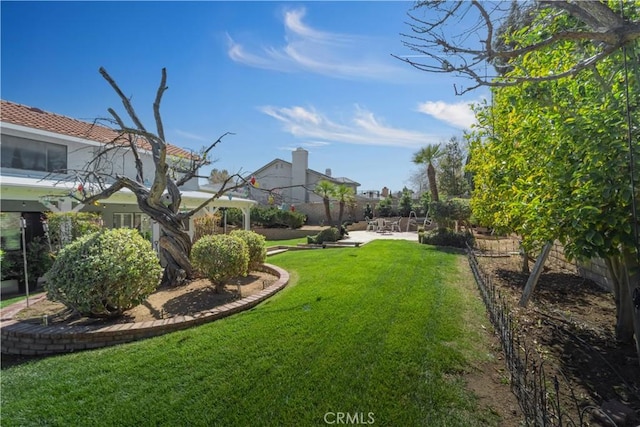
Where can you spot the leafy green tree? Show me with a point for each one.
(552, 160)
(406, 202)
(385, 207)
(556, 159)
(440, 44)
(218, 176)
(451, 177)
(344, 195)
(428, 155)
(326, 189)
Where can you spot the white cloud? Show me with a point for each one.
(312, 50)
(457, 114)
(307, 144)
(363, 128)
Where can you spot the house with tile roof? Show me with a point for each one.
(292, 183)
(40, 150)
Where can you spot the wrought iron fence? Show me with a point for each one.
(539, 394)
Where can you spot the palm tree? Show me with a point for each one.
(325, 189)
(344, 195)
(427, 155)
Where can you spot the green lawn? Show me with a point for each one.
(287, 242)
(382, 333)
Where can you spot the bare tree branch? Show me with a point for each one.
(156, 104)
(100, 179)
(125, 101)
(470, 53)
(199, 161)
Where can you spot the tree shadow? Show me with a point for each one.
(604, 368)
(195, 301)
(564, 289)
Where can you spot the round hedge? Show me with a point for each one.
(104, 273)
(220, 257)
(256, 245)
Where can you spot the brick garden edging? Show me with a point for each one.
(24, 338)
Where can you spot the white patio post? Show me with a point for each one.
(246, 214)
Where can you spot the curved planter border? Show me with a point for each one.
(24, 338)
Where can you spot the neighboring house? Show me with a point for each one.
(38, 152)
(292, 183)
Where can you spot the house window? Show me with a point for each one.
(27, 154)
(139, 221)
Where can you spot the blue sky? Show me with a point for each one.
(279, 75)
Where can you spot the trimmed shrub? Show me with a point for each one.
(220, 257)
(267, 217)
(66, 227)
(331, 234)
(256, 245)
(447, 237)
(104, 273)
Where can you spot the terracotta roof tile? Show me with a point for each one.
(33, 117)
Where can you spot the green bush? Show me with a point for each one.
(220, 257)
(39, 260)
(104, 273)
(447, 237)
(331, 234)
(67, 226)
(6, 265)
(256, 245)
(267, 217)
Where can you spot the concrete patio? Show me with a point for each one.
(364, 237)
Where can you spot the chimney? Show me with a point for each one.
(299, 166)
(327, 172)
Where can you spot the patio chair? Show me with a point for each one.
(395, 224)
(371, 224)
(382, 225)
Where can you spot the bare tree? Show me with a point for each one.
(159, 195)
(482, 39)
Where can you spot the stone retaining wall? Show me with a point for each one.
(24, 338)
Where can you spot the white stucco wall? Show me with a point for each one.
(81, 151)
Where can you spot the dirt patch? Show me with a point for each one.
(570, 323)
(198, 295)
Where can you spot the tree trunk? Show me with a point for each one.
(433, 186)
(327, 210)
(175, 248)
(175, 244)
(535, 275)
(625, 274)
(340, 213)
